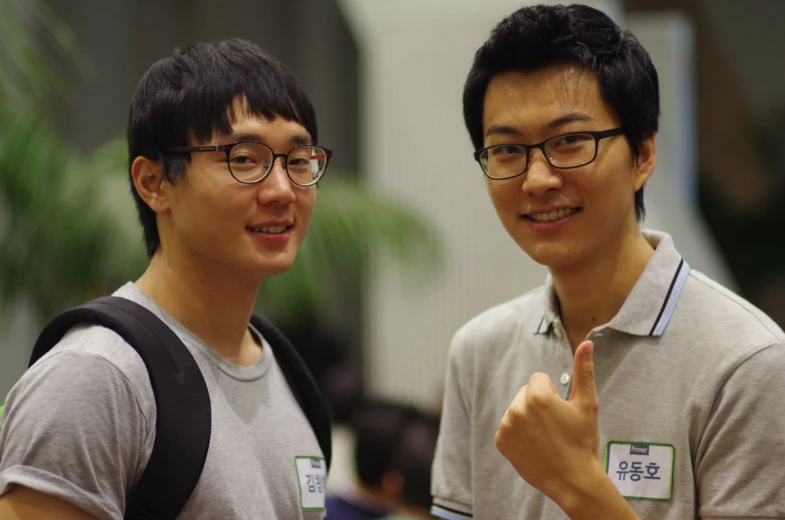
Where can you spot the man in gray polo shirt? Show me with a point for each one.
(628, 386)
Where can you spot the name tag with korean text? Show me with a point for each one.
(641, 471)
(311, 475)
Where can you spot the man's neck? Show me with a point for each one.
(592, 294)
(212, 303)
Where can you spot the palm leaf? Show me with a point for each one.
(37, 49)
(60, 240)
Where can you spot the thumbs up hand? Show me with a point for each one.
(551, 442)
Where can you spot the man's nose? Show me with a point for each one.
(276, 188)
(540, 176)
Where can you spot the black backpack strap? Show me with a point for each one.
(302, 384)
(181, 398)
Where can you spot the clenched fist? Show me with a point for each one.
(554, 443)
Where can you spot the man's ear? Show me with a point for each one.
(149, 182)
(646, 161)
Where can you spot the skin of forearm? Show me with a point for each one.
(594, 497)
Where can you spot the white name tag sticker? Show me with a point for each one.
(640, 470)
(311, 475)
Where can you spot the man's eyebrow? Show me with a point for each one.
(301, 139)
(244, 137)
(296, 140)
(569, 118)
(556, 123)
(501, 130)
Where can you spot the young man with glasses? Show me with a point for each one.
(223, 168)
(628, 386)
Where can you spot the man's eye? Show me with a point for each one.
(506, 150)
(573, 139)
(243, 159)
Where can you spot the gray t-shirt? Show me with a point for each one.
(691, 385)
(80, 425)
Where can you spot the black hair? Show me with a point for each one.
(414, 460)
(188, 97)
(378, 428)
(536, 37)
(341, 383)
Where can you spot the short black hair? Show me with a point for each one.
(189, 97)
(537, 37)
(379, 426)
(415, 459)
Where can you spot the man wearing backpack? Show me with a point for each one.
(223, 168)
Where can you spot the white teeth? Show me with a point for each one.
(553, 215)
(268, 229)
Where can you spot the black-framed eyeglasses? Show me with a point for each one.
(249, 162)
(564, 151)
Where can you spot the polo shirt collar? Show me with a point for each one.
(549, 313)
(649, 306)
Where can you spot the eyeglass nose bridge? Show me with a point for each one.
(284, 157)
(529, 148)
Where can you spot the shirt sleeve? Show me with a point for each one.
(451, 484)
(739, 463)
(73, 429)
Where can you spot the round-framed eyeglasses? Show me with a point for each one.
(250, 162)
(563, 151)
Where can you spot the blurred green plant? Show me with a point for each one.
(68, 228)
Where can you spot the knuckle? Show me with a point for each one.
(538, 396)
(512, 416)
(537, 400)
(499, 440)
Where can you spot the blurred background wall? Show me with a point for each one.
(385, 77)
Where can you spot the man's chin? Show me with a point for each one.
(272, 267)
(550, 255)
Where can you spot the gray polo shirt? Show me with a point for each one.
(691, 385)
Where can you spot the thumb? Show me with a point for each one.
(583, 388)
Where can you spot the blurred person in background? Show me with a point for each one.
(342, 385)
(224, 161)
(649, 391)
(413, 463)
(378, 428)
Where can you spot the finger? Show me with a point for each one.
(541, 392)
(516, 407)
(520, 396)
(583, 387)
(541, 382)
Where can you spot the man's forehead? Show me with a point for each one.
(546, 98)
(258, 128)
(564, 84)
(239, 109)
